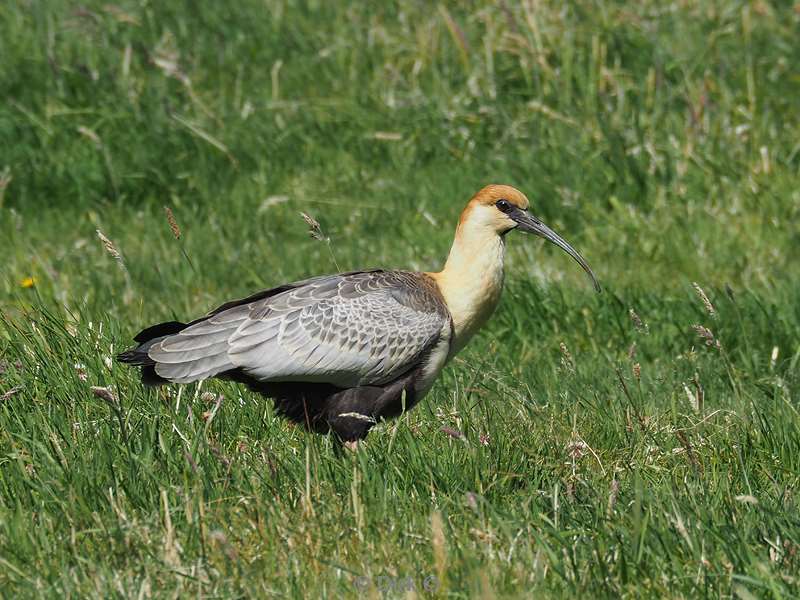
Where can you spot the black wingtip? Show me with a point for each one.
(160, 330)
(138, 356)
(130, 357)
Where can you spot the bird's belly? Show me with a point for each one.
(437, 359)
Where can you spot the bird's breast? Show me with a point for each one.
(472, 308)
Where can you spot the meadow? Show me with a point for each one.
(641, 442)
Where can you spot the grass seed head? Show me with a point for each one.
(566, 358)
(90, 135)
(704, 299)
(640, 326)
(612, 496)
(453, 433)
(111, 249)
(705, 334)
(314, 228)
(104, 393)
(173, 224)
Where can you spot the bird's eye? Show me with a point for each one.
(503, 205)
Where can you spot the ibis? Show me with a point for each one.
(340, 353)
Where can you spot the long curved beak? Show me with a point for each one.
(530, 224)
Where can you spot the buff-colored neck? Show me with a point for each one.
(472, 279)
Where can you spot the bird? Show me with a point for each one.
(341, 353)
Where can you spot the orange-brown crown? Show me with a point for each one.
(489, 195)
(492, 193)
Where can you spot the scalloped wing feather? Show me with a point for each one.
(347, 330)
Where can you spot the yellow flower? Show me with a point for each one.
(28, 282)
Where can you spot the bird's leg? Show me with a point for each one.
(352, 445)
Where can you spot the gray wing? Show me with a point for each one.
(348, 330)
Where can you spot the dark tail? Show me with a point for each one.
(138, 356)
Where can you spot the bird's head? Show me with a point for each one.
(498, 209)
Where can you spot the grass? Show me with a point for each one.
(593, 445)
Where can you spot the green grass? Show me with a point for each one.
(601, 455)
